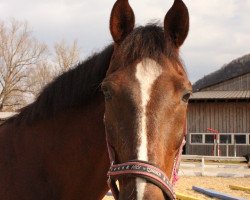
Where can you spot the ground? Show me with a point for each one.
(216, 183)
(184, 185)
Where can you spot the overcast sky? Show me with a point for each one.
(219, 29)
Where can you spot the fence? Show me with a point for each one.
(214, 166)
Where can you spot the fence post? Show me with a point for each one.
(227, 147)
(214, 147)
(235, 152)
(202, 166)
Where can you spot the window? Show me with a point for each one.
(196, 138)
(240, 139)
(226, 139)
(209, 139)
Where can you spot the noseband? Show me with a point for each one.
(145, 170)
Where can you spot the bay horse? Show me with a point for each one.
(126, 104)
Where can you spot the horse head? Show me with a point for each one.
(146, 92)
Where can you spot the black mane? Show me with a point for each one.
(73, 88)
(80, 85)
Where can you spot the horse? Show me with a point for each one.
(125, 104)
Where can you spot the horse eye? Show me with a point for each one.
(186, 97)
(106, 93)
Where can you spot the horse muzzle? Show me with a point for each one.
(140, 169)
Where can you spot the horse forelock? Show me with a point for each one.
(145, 42)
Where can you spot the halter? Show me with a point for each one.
(145, 170)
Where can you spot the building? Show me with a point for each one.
(221, 102)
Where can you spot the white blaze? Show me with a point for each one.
(147, 73)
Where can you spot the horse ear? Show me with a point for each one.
(176, 23)
(122, 20)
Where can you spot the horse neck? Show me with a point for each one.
(71, 148)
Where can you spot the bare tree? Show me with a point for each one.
(19, 52)
(63, 58)
(39, 77)
(66, 56)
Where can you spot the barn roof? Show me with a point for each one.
(234, 69)
(220, 95)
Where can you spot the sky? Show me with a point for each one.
(219, 29)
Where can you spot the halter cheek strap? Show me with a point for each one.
(177, 162)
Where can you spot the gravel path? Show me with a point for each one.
(184, 185)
